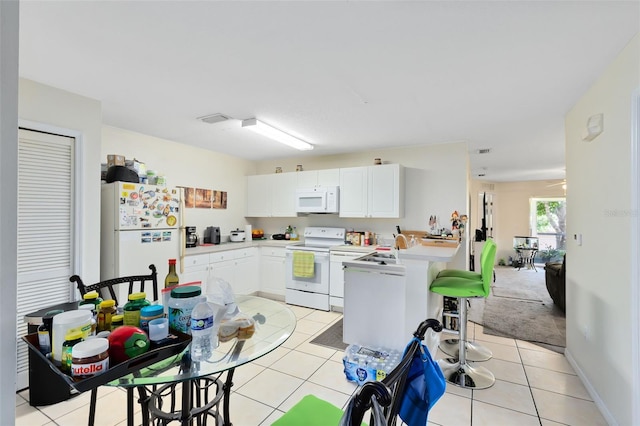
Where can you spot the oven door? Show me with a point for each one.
(319, 283)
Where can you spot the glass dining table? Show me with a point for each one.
(202, 389)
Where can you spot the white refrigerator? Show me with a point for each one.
(140, 225)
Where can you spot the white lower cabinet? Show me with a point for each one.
(237, 267)
(196, 268)
(272, 270)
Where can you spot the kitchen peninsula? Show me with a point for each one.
(384, 300)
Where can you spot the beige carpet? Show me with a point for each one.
(520, 307)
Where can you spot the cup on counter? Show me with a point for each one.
(158, 329)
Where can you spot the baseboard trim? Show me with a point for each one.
(591, 390)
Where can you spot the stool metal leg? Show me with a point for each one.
(475, 351)
(460, 372)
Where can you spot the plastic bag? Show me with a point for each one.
(220, 292)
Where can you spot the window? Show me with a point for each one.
(548, 223)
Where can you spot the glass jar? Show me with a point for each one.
(132, 308)
(105, 315)
(181, 303)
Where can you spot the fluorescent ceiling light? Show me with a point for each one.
(275, 134)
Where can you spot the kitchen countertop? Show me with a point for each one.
(191, 251)
(429, 253)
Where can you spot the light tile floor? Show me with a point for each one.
(534, 386)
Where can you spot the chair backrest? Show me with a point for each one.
(136, 284)
(390, 391)
(487, 266)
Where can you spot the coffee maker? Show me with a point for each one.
(192, 236)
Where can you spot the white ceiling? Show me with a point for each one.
(344, 76)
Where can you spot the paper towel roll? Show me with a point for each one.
(247, 232)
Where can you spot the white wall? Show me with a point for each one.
(599, 281)
(185, 165)
(60, 109)
(512, 208)
(9, 195)
(436, 182)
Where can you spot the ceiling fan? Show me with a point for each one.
(562, 183)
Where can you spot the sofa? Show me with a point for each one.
(556, 282)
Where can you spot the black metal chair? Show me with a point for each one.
(389, 393)
(136, 284)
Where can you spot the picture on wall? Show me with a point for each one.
(219, 199)
(203, 198)
(189, 197)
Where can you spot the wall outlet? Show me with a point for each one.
(586, 332)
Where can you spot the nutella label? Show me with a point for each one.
(90, 369)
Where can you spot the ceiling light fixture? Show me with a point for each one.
(275, 134)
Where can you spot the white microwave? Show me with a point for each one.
(319, 199)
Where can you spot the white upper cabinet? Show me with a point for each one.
(311, 178)
(353, 192)
(271, 195)
(283, 190)
(258, 196)
(372, 191)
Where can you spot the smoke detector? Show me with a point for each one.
(214, 118)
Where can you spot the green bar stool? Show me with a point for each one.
(460, 372)
(474, 351)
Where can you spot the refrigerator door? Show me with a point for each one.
(136, 250)
(140, 206)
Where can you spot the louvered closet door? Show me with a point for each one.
(45, 228)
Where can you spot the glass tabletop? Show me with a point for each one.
(274, 324)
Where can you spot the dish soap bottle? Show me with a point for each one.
(172, 278)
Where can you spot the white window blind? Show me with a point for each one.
(45, 228)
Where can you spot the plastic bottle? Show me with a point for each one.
(92, 298)
(117, 321)
(202, 332)
(136, 302)
(44, 338)
(181, 304)
(172, 278)
(69, 341)
(294, 234)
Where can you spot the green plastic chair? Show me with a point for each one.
(460, 372)
(474, 351)
(471, 275)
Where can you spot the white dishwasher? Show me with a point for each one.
(375, 302)
(337, 255)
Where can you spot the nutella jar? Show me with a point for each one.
(89, 358)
